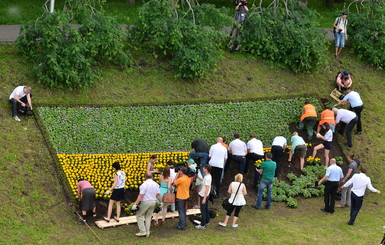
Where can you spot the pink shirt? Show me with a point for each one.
(83, 185)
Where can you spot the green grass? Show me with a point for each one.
(33, 207)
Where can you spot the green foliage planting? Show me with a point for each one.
(180, 34)
(286, 36)
(65, 56)
(165, 128)
(366, 31)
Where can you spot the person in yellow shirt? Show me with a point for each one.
(308, 119)
(183, 193)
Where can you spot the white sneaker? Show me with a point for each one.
(17, 118)
(200, 227)
(222, 224)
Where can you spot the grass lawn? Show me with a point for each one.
(35, 211)
(23, 11)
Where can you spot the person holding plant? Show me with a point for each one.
(20, 98)
(343, 81)
(349, 120)
(86, 194)
(308, 119)
(298, 143)
(165, 181)
(117, 189)
(238, 192)
(150, 165)
(327, 144)
(148, 193)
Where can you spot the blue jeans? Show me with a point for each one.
(241, 160)
(340, 40)
(203, 156)
(182, 213)
(262, 186)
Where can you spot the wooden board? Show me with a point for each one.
(336, 95)
(132, 219)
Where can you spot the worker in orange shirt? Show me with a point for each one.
(308, 119)
(327, 115)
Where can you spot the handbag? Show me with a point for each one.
(168, 197)
(226, 204)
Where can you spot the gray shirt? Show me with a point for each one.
(353, 165)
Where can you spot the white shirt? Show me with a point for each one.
(172, 174)
(18, 91)
(360, 182)
(345, 116)
(149, 189)
(354, 99)
(342, 23)
(280, 141)
(240, 198)
(238, 148)
(217, 154)
(206, 182)
(329, 135)
(121, 179)
(255, 146)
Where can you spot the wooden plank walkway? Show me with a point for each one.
(132, 219)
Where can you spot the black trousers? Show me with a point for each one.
(358, 110)
(16, 106)
(251, 157)
(355, 207)
(241, 160)
(331, 188)
(277, 152)
(216, 174)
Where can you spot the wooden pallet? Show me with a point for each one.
(335, 94)
(132, 219)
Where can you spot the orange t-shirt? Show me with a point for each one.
(183, 185)
(309, 111)
(327, 116)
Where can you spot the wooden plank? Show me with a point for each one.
(336, 95)
(132, 219)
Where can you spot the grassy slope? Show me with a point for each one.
(41, 214)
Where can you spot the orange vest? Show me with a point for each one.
(327, 116)
(309, 111)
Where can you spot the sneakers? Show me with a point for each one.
(196, 207)
(200, 227)
(235, 226)
(141, 234)
(222, 224)
(357, 133)
(16, 118)
(340, 206)
(337, 56)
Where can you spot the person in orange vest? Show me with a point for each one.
(308, 119)
(327, 115)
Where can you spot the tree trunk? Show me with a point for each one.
(329, 3)
(130, 1)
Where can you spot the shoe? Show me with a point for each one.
(140, 234)
(255, 207)
(347, 145)
(116, 219)
(196, 207)
(267, 207)
(148, 234)
(222, 224)
(350, 223)
(337, 56)
(200, 227)
(324, 210)
(180, 228)
(235, 226)
(238, 48)
(340, 206)
(156, 223)
(94, 215)
(16, 118)
(331, 212)
(105, 218)
(357, 133)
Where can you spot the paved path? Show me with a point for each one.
(9, 33)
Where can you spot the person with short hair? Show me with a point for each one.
(340, 33)
(238, 191)
(343, 81)
(345, 192)
(183, 184)
(356, 105)
(267, 171)
(86, 194)
(218, 158)
(349, 119)
(327, 116)
(359, 182)
(326, 144)
(333, 176)
(200, 149)
(117, 189)
(254, 153)
(238, 151)
(277, 149)
(148, 193)
(298, 143)
(308, 119)
(20, 98)
(204, 195)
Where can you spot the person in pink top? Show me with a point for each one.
(86, 194)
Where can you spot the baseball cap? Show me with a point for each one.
(346, 74)
(190, 161)
(345, 13)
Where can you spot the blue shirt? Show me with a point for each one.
(354, 99)
(334, 173)
(296, 140)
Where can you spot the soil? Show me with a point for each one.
(294, 167)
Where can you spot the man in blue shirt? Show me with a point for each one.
(333, 176)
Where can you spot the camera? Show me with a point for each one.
(242, 2)
(339, 31)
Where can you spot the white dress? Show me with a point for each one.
(240, 198)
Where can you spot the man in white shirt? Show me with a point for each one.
(218, 158)
(254, 153)
(19, 98)
(238, 151)
(356, 105)
(350, 119)
(360, 182)
(277, 149)
(204, 194)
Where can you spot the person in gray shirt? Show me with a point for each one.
(345, 192)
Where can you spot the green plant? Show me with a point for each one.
(291, 176)
(339, 161)
(292, 203)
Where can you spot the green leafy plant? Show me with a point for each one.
(339, 160)
(292, 203)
